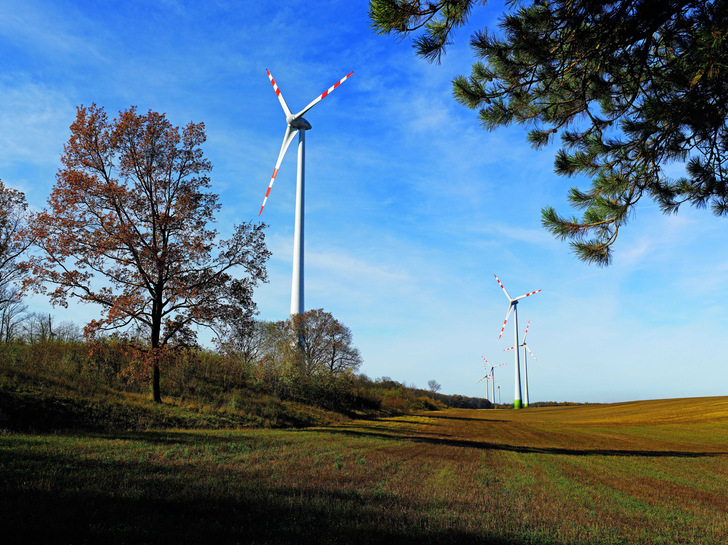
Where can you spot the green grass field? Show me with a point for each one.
(643, 472)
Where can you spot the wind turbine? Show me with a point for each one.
(296, 124)
(492, 376)
(513, 306)
(525, 363)
(486, 378)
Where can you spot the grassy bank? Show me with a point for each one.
(42, 402)
(646, 472)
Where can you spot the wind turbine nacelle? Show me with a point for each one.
(298, 123)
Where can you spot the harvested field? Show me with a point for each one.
(644, 472)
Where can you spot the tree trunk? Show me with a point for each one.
(156, 331)
(156, 394)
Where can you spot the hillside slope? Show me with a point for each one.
(39, 402)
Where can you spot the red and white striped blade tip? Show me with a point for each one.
(335, 85)
(501, 285)
(322, 95)
(529, 294)
(270, 186)
(273, 82)
(286, 110)
(268, 192)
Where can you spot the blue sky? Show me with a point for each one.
(410, 207)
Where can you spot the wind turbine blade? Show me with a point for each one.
(510, 307)
(507, 349)
(287, 139)
(278, 94)
(526, 295)
(526, 333)
(504, 290)
(529, 351)
(320, 97)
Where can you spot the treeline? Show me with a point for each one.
(396, 395)
(309, 359)
(17, 324)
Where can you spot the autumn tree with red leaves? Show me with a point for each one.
(127, 228)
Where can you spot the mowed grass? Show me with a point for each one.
(631, 473)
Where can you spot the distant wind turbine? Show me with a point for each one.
(525, 364)
(513, 306)
(486, 378)
(296, 124)
(491, 376)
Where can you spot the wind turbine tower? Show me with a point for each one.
(486, 378)
(513, 306)
(296, 124)
(525, 364)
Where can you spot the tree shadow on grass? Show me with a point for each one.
(89, 501)
(468, 419)
(485, 445)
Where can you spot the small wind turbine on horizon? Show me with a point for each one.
(296, 124)
(513, 306)
(525, 364)
(486, 378)
(491, 376)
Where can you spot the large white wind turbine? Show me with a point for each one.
(525, 364)
(296, 124)
(513, 306)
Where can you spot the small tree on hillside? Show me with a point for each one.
(324, 343)
(243, 344)
(127, 228)
(67, 331)
(245, 340)
(307, 355)
(433, 385)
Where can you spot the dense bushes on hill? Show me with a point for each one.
(97, 385)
